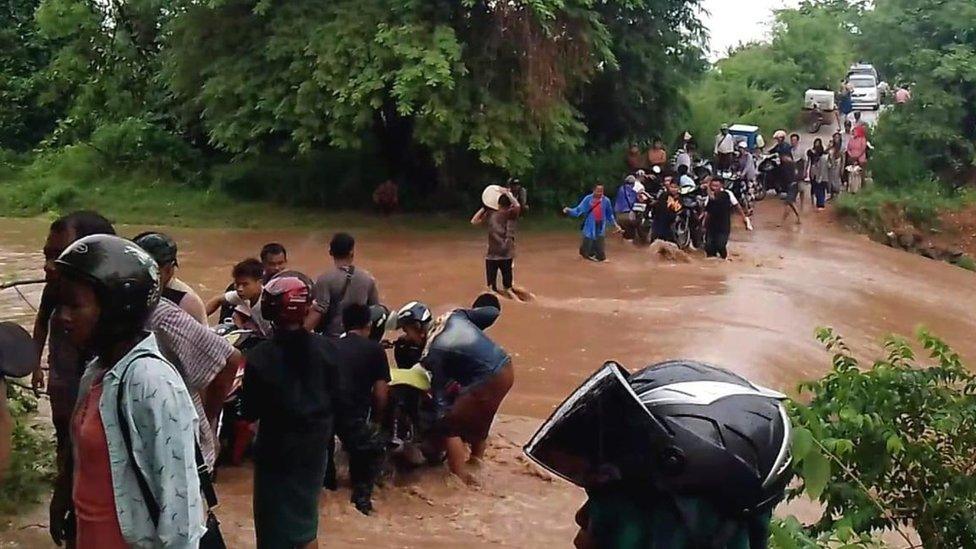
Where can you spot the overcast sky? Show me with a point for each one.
(733, 21)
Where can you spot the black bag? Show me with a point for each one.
(212, 539)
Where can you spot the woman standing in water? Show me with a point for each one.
(130, 478)
(291, 385)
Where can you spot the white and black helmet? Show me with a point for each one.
(414, 311)
(683, 427)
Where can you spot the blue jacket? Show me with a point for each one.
(590, 230)
(625, 199)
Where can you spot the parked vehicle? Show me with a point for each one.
(822, 99)
(864, 92)
(748, 134)
(815, 119)
(700, 169)
(739, 187)
(863, 68)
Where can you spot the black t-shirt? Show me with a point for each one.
(719, 210)
(362, 362)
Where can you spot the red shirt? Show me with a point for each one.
(98, 523)
(597, 207)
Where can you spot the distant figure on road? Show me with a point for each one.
(596, 211)
(844, 104)
(386, 197)
(724, 148)
(635, 158)
(656, 155)
(902, 95)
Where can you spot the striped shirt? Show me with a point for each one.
(198, 354)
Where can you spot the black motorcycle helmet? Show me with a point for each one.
(160, 246)
(125, 279)
(378, 317)
(682, 427)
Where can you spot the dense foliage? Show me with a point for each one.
(890, 447)
(32, 458)
(441, 95)
(763, 83)
(929, 45)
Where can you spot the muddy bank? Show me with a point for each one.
(755, 315)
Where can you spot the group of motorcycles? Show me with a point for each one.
(410, 408)
(687, 228)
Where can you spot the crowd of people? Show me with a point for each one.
(138, 381)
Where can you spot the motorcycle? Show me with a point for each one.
(740, 188)
(234, 433)
(815, 119)
(766, 180)
(411, 411)
(701, 169)
(687, 228)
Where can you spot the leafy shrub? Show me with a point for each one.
(880, 208)
(891, 445)
(135, 143)
(32, 459)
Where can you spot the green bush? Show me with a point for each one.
(135, 143)
(32, 459)
(878, 208)
(890, 445)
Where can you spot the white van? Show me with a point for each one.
(864, 94)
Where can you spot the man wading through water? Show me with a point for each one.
(718, 218)
(343, 285)
(502, 223)
(596, 211)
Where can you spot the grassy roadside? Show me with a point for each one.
(139, 196)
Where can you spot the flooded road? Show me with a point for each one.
(754, 315)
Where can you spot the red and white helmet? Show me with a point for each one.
(285, 300)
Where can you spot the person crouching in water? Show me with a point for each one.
(291, 385)
(470, 374)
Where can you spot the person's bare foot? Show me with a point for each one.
(506, 293)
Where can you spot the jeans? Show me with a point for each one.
(716, 243)
(492, 266)
(594, 248)
(820, 193)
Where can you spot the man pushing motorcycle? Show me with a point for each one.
(470, 375)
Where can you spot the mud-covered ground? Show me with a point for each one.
(755, 314)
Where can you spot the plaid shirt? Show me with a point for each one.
(198, 354)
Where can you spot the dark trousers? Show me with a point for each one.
(723, 161)
(594, 248)
(366, 449)
(492, 266)
(819, 193)
(716, 243)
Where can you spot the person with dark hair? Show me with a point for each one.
(597, 213)
(246, 298)
(65, 362)
(340, 287)
(364, 371)
(292, 387)
(718, 218)
(274, 258)
(502, 223)
(162, 248)
(470, 376)
(131, 477)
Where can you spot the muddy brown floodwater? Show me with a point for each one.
(755, 315)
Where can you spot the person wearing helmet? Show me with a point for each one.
(365, 372)
(163, 249)
(133, 451)
(292, 386)
(470, 375)
(680, 454)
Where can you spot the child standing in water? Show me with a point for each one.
(502, 223)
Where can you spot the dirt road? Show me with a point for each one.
(755, 315)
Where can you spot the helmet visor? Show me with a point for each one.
(600, 434)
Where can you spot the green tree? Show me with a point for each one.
(23, 52)
(891, 445)
(931, 46)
